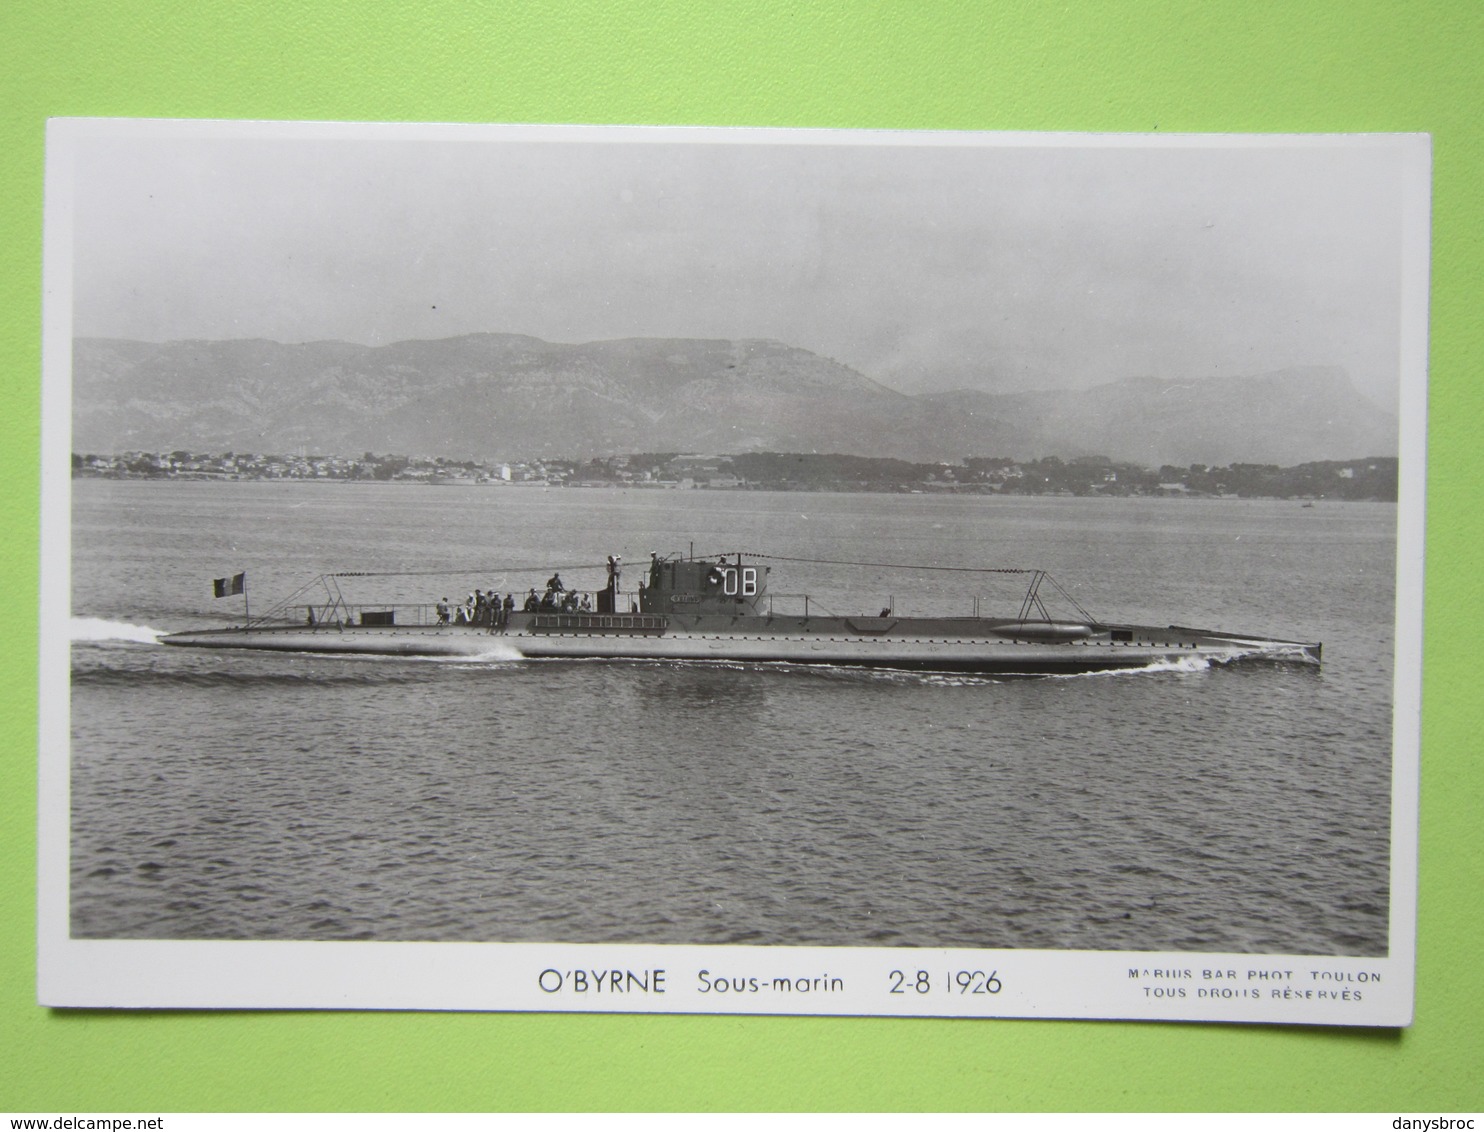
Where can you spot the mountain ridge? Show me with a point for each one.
(512, 396)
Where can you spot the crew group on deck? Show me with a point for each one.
(491, 611)
(487, 610)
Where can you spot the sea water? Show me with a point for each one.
(226, 795)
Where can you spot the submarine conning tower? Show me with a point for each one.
(723, 584)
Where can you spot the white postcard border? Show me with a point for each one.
(955, 982)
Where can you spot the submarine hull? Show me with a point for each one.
(926, 644)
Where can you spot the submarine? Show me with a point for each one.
(718, 609)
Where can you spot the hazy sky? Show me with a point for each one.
(923, 267)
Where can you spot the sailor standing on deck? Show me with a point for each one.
(608, 599)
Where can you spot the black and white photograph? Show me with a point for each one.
(738, 571)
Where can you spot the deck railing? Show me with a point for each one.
(331, 615)
(334, 615)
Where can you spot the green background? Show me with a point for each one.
(1197, 65)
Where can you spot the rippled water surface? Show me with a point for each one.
(221, 795)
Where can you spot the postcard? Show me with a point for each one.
(674, 570)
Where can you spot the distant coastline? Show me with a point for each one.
(494, 397)
(1372, 478)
